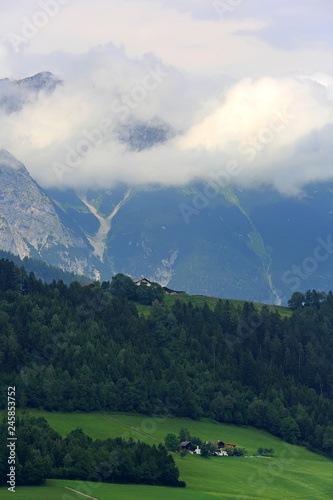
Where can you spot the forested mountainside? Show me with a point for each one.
(236, 244)
(42, 270)
(79, 348)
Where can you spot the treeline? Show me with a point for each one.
(309, 298)
(43, 270)
(123, 286)
(42, 453)
(75, 348)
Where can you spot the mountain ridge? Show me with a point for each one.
(31, 225)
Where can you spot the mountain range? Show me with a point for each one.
(253, 244)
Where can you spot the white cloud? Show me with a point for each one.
(274, 128)
(106, 50)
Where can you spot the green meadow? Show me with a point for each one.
(292, 473)
(53, 491)
(201, 300)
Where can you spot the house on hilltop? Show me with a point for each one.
(142, 281)
(168, 291)
(146, 282)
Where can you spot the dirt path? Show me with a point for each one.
(132, 428)
(76, 491)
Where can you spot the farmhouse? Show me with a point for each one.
(142, 281)
(168, 291)
(146, 282)
(221, 453)
(184, 445)
(222, 444)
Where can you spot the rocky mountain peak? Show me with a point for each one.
(15, 93)
(8, 161)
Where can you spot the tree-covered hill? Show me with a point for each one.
(43, 270)
(42, 453)
(79, 348)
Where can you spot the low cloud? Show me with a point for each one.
(277, 130)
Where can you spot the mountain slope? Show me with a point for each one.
(247, 244)
(32, 226)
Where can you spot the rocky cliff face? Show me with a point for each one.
(31, 225)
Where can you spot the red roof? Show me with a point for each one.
(226, 444)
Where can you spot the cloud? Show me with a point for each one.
(265, 126)
(275, 129)
(102, 85)
(235, 88)
(245, 41)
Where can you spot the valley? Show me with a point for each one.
(166, 250)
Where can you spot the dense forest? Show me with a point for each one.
(42, 453)
(78, 348)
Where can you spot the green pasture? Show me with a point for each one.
(292, 473)
(100, 427)
(52, 491)
(200, 300)
(49, 491)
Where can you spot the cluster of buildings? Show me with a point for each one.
(221, 445)
(168, 291)
(145, 282)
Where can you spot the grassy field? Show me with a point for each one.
(293, 472)
(53, 491)
(200, 300)
(50, 491)
(99, 427)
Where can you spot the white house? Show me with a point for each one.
(142, 281)
(221, 453)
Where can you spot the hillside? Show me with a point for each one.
(74, 348)
(42, 270)
(293, 472)
(32, 225)
(235, 245)
(250, 244)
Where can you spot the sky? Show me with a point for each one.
(246, 86)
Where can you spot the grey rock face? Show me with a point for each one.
(30, 224)
(144, 135)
